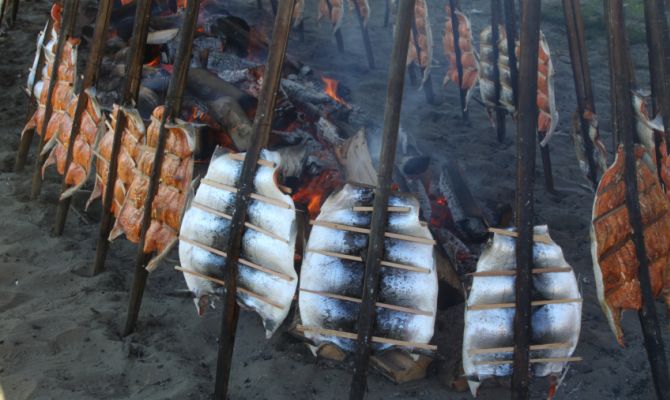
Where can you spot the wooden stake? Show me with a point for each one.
(621, 99)
(496, 21)
(387, 13)
(27, 138)
(67, 28)
(375, 252)
(129, 94)
(525, 180)
(338, 32)
(90, 78)
(510, 29)
(273, 4)
(459, 62)
(261, 131)
(582, 75)
(15, 12)
(366, 36)
(172, 107)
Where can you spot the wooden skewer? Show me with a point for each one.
(509, 349)
(536, 303)
(222, 283)
(512, 272)
(265, 163)
(389, 209)
(360, 259)
(242, 261)
(378, 304)
(532, 361)
(247, 224)
(255, 196)
(376, 339)
(536, 238)
(356, 229)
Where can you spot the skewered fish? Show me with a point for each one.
(331, 280)
(468, 56)
(486, 79)
(133, 137)
(489, 329)
(614, 259)
(267, 279)
(364, 8)
(32, 73)
(63, 92)
(333, 11)
(599, 150)
(91, 127)
(298, 12)
(170, 200)
(547, 119)
(645, 124)
(420, 49)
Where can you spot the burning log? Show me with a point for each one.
(488, 338)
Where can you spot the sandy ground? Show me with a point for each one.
(59, 329)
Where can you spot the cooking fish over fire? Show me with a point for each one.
(132, 139)
(547, 119)
(468, 55)
(170, 199)
(420, 49)
(331, 277)
(615, 264)
(267, 278)
(333, 11)
(91, 127)
(488, 336)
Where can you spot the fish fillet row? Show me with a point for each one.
(468, 54)
(325, 278)
(170, 200)
(488, 329)
(420, 50)
(267, 279)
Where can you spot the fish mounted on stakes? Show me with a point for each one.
(66, 73)
(488, 339)
(463, 64)
(614, 262)
(73, 153)
(420, 51)
(126, 132)
(267, 277)
(333, 11)
(486, 81)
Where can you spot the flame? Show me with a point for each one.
(331, 90)
(315, 192)
(154, 63)
(126, 2)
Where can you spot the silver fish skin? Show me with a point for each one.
(492, 328)
(33, 69)
(273, 253)
(322, 273)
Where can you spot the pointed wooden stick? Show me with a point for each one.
(172, 107)
(261, 133)
(15, 12)
(375, 251)
(582, 75)
(129, 94)
(525, 172)
(624, 123)
(373, 339)
(67, 28)
(496, 21)
(90, 78)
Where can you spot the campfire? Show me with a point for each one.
(200, 132)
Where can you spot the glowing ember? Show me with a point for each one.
(440, 215)
(154, 63)
(331, 90)
(315, 192)
(126, 2)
